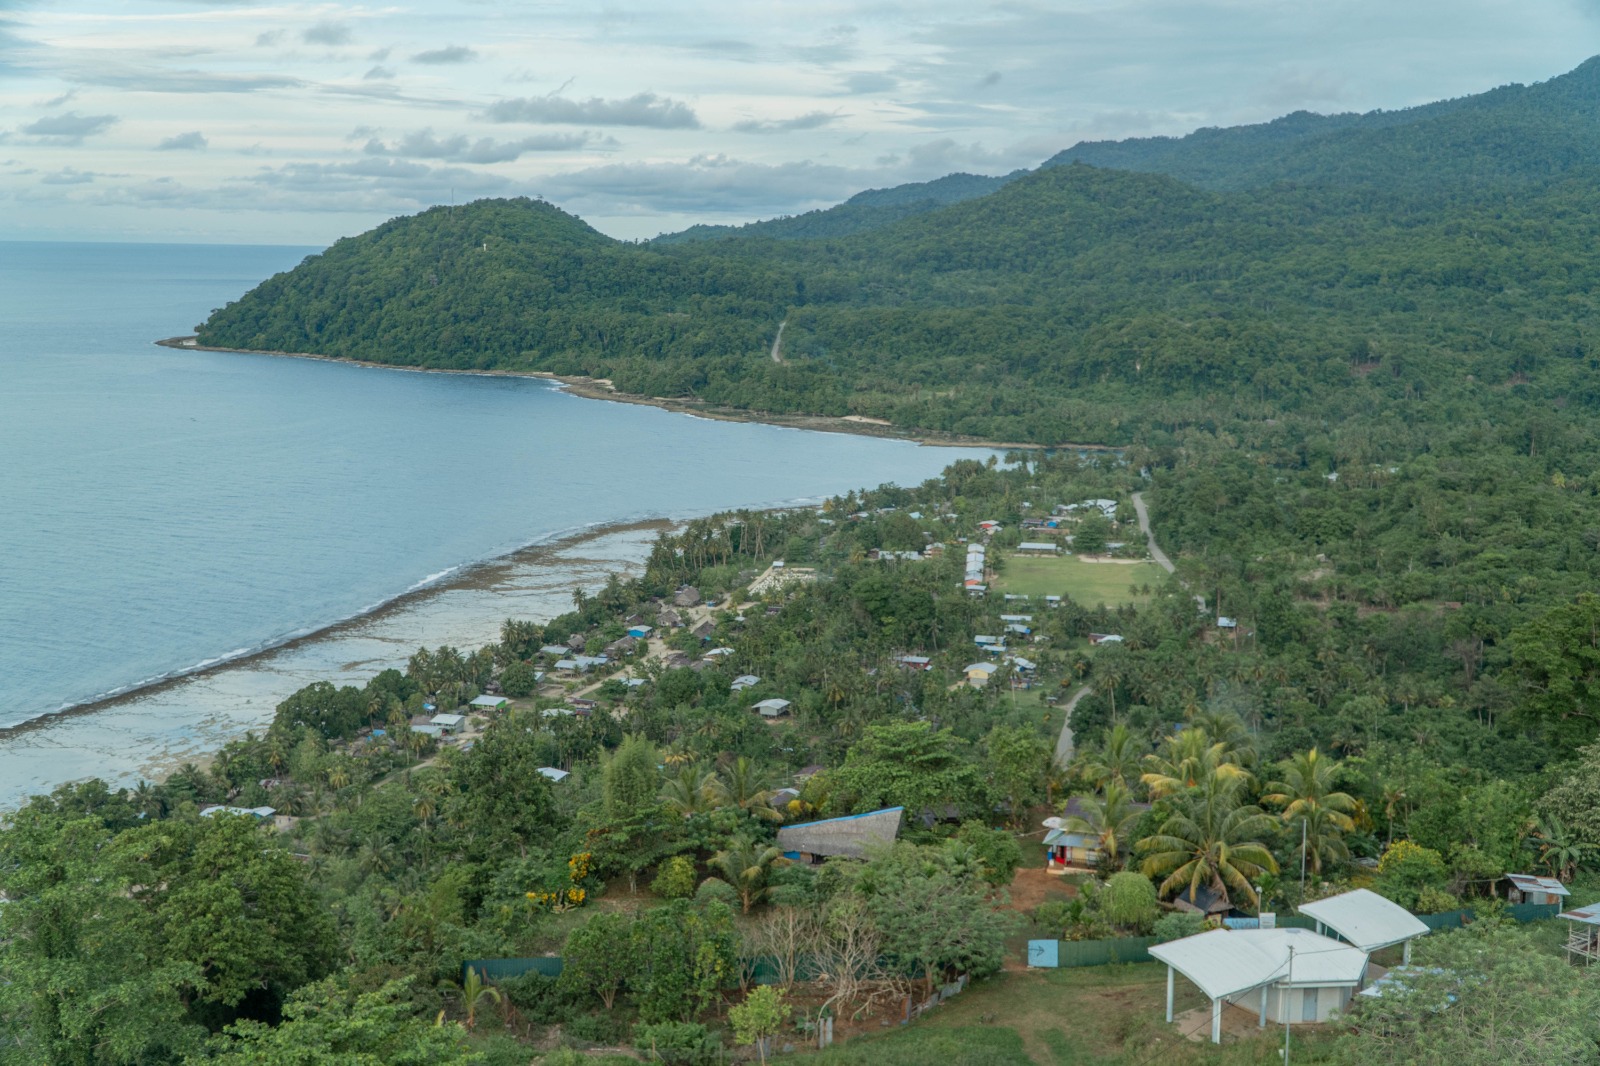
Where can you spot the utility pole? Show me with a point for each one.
(1302, 860)
(1281, 1004)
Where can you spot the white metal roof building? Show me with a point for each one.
(1286, 975)
(771, 708)
(1366, 920)
(554, 773)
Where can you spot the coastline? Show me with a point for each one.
(601, 389)
(466, 576)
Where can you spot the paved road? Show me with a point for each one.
(1065, 746)
(1150, 538)
(777, 343)
(1155, 549)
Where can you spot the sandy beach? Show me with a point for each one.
(602, 389)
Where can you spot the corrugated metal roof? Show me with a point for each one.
(1365, 919)
(1531, 883)
(1225, 962)
(1589, 915)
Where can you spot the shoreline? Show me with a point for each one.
(463, 577)
(601, 389)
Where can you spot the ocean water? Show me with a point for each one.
(166, 511)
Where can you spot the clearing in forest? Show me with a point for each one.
(1088, 583)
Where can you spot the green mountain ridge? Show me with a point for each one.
(1072, 303)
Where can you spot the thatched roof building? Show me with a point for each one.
(849, 836)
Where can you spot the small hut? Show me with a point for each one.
(1530, 888)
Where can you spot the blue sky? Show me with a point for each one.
(229, 120)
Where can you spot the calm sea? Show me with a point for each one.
(162, 510)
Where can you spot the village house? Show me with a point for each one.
(1038, 547)
(704, 629)
(772, 708)
(669, 618)
(744, 681)
(686, 596)
(979, 674)
(449, 724)
(489, 703)
(915, 662)
(554, 774)
(1285, 976)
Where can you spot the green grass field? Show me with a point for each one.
(1090, 584)
(1096, 1016)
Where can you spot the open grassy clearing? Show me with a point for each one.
(1110, 1015)
(1089, 584)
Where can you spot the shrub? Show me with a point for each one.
(718, 890)
(1432, 900)
(674, 879)
(1175, 925)
(606, 1028)
(1129, 902)
(1053, 915)
(678, 1043)
(542, 1000)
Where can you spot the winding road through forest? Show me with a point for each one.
(1066, 746)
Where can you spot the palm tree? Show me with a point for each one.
(691, 791)
(1188, 760)
(746, 867)
(1212, 838)
(743, 787)
(1307, 796)
(1559, 848)
(472, 991)
(1109, 818)
(1117, 759)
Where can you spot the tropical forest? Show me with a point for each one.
(1280, 590)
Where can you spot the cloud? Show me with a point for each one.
(454, 53)
(379, 55)
(268, 39)
(68, 176)
(65, 98)
(327, 32)
(991, 78)
(192, 140)
(70, 128)
(461, 149)
(641, 109)
(867, 81)
(188, 82)
(809, 121)
(708, 185)
(378, 74)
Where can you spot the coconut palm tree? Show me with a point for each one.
(743, 786)
(1308, 799)
(1108, 817)
(473, 991)
(746, 866)
(1117, 759)
(692, 790)
(1188, 760)
(1212, 838)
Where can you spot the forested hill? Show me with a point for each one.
(1513, 133)
(863, 211)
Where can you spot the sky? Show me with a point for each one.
(299, 123)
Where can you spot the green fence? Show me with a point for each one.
(500, 969)
(1137, 948)
(763, 970)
